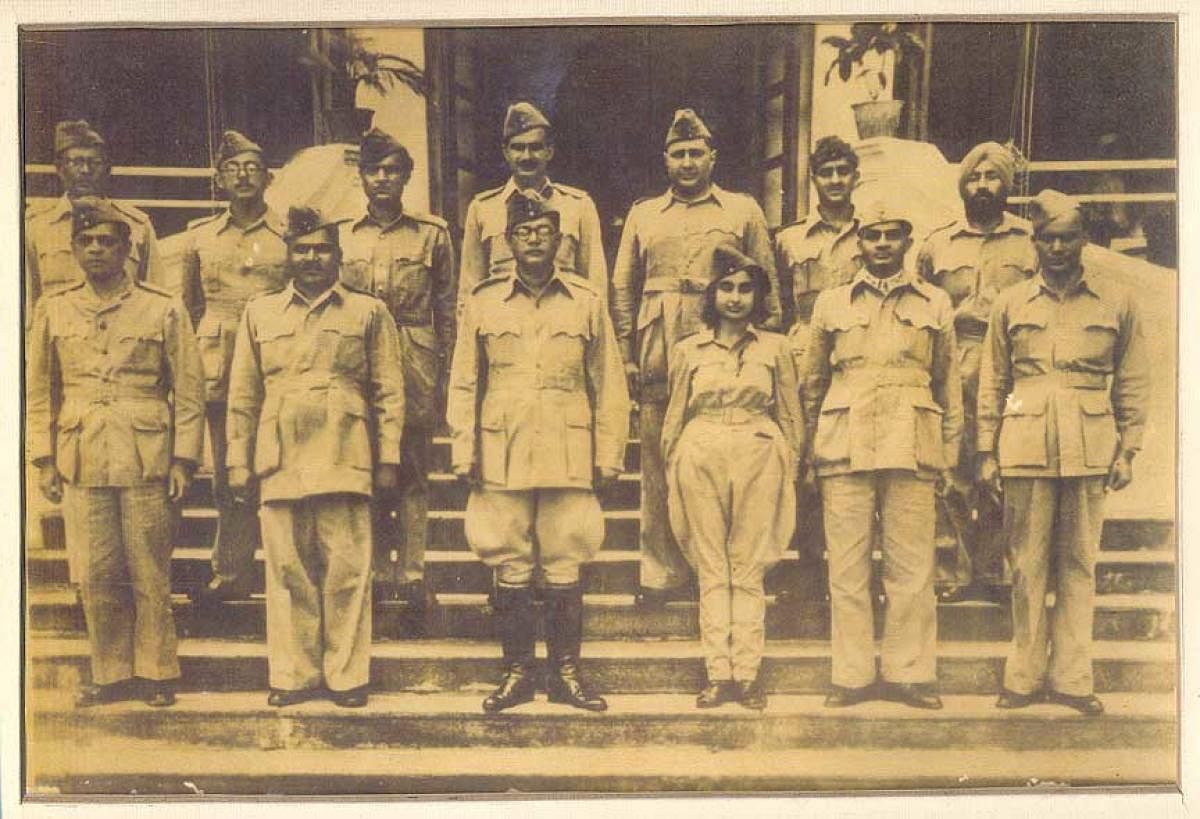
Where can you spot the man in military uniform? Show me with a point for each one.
(539, 415)
(973, 259)
(316, 408)
(528, 148)
(81, 159)
(116, 413)
(816, 253)
(1063, 391)
(228, 259)
(406, 260)
(883, 405)
(664, 264)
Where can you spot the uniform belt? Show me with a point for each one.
(674, 284)
(108, 393)
(731, 415)
(499, 379)
(860, 377)
(1073, 379)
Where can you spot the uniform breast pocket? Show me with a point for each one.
(849, 337)
(1029, 340)
(277, 346)
(1091, 344)
(564, 350)
(356, 273)
(349, 346)
(502, 341)
(408, 279)
(212, 349)
(141, 350)
(958, 282)
(917, 328)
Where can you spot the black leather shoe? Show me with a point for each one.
(517, 687)
(1089, 706)
(563, 616)
(279, 697)
(566, 685)
(1011, 699)
(841, 697)
(913, 695)
(717, 692)
(90, 695)
(351, 698)
(159, 694)
(752, 694)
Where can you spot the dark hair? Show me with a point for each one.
(762, 287)
(406, 160)
(831, 149)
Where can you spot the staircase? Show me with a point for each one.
(423, 731)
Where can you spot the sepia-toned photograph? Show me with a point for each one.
(691, 407)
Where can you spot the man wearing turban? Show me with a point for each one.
(973, 259)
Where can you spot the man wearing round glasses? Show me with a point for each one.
(228, 259)
(883, 405)
(81, 161)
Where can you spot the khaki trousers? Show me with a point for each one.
(401, 519)
(318, 591)
(662, 563)
(120, 542)
(237, 523)
(905, 505)
(1053, 526)
(515, 531)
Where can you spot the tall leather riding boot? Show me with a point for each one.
(517, 621)
(564, 633)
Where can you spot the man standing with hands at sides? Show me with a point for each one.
(973, 259)
(664, 265)
(1063, 389)
(883, 399)
(316, 408)
(227, 259)
(539, 415)
(817, 253)
(116, 413)
(406, 260)
(528, 148)
(81, 161)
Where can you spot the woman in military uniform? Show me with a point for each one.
(732, 435)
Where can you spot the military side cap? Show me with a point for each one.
(878, 211)
(75, 134)
(687, 125)
(89, 211)
(302, 221)
(234, 143)
(377, 145)
(522, 208)
(522, 117)
(728, 259)
(1050, 205)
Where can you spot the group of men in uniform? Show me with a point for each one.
(325, 354)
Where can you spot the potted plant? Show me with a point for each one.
(864, 59)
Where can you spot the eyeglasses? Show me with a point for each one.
(105, 240)
(827, 171)
(234, 169)
(525, 232)
(874, 235)
(80, 163)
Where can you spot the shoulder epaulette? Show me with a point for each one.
(488, 194)
(494, 278)
(430, 219)
(39, 207)
(575, 280)
(154, 288)
(354, 288)
(60, 289)
(130, 211)
(575, 193)
(203, 220)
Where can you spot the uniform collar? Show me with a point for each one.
(715, 193)
(1038, 286)
(709, 337)
(268, 219)
(815, 220)
(554, 282)
(369, 220)
(1008, 224)
(511, 187)
(294, 296)
(100, 303)
(864, 278)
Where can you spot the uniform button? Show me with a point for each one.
(101, 324)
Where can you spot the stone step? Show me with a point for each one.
(244, 720)
(614, 666)
(614, 571)
(197, 526)
(102, 764)
(1140, 617)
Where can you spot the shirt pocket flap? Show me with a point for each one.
(926, 402)
(916, 314)
(837, 399)
(577, 415)
(492, 418)
(269, 331)
(148, 422)
(571, 325)
(499, 324)
(1025, 405)
(1095, 402)
(843, 322)
(141, 334)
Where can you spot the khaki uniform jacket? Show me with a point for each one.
(1064, 382)
(813, 255)
(409, 266)
(115, 387)
(881, 385)
(664, 264)
(316, 393)
(224, 267)
(50, 263)
(537, 388)
(973, 267)
(485, 250)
